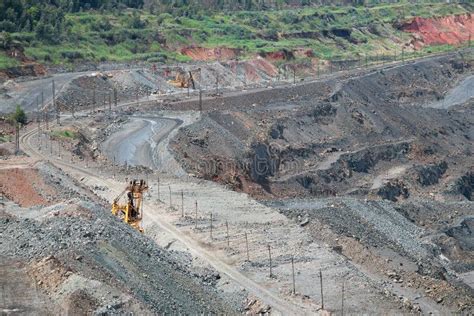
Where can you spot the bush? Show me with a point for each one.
(135, 22)
(7, 26)
(72, 54)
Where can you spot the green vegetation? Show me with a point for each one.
(61, 31)
(7, 62)
(18, 117)
(67, 134)
(5, 138)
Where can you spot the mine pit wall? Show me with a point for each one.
(384, 106)
(374, 88)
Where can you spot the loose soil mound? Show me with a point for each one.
(25, 187)
(79, 259)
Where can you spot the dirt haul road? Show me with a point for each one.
(115, 188)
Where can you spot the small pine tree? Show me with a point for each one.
(19, 116)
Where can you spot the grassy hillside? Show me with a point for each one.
(136, 34)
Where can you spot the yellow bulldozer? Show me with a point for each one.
(131, 212)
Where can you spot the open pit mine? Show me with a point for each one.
(230, 187)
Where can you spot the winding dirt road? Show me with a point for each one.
(278, 304)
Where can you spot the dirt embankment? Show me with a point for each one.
(452, 30)
(76, 258)
(206, 54)
(27, 67)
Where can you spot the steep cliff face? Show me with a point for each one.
(451, 30)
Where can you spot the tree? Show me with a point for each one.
(19, 116)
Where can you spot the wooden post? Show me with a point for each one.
(342, 300)
(115, 97)
(211, 226)
(196, 215)
(55, 106)
(158, 188)
(217, 84)
(94, 101)
(171, 204)
(293, 273)
(17, 138)
(200, 100)
(294, 74)
(321, 284)
(227, 231)
(110, 104)
(182, 203)
(270, 259)
(247, 246)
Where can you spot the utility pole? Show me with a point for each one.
(294, 74)
(55, 106)
(321, 284)
(342, 300)
(42, 100)
(115, 97)
(227, 232)
(94, 101)
(38, 114)
(196, 215)
(17, 138)
(182, 203)
(270, 259)
(110, 104)
(200, 101)
(211, 226)
(171, 204)
(247, 246)
(46, 114)
(293, 273)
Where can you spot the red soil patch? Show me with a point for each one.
(303, 52)
(451, 30)
(275, 56)
(24, 186)
(201, 53)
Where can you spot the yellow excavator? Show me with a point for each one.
(183, 81)
(131, 212)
